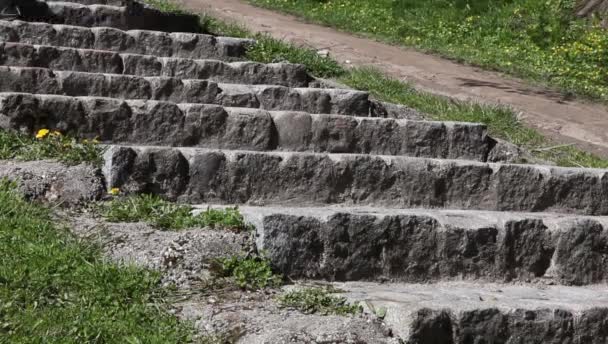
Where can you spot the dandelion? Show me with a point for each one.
(114, 191)
(42, 133)
(56, 133)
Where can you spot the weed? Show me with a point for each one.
(248, 273)
(318, 300)
(269, 50)
(57, 289)
(49, 145)
(167, 215)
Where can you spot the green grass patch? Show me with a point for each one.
(170, 216)
(318, 301)
(57, 289)
(270, 50)
(248, 273)
(49, 145)
(540, 40)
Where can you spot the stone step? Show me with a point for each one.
(158, 43)
(101, 61)
(133, 16)
(269, 97)
(213, 126)
(461, 312)
(245, 177)
(426, 245)
(96, 2)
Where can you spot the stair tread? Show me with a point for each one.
(340, 156)
(460, 296)
(466, 217)
(486, 310)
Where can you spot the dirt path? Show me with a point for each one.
(563, 120)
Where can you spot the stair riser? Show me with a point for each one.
(418, 247)
(96, 61)
(161, 123)
(311, 100)
(178, 44)
(323, 101)
(134, 16)
(492, 325)
(399, 182)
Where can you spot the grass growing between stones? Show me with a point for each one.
(502, 122)
(248, 273)
(56, 289)
(318, 301)
(170, 216)
(49, 145)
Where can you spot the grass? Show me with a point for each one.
(318, 301)
(170, 216)
(49, 145)
(56, 289)
(248, 273)
(540, 40)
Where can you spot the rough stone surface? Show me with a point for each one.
(269, 97)
(311, 100)
(211, 126)
(398, 182)
(99, 61)
(462, 312)
(97, 2)
(383, 109)
(178, 95)
(132, 16)
(54, 182)
(175, 44)
(421, 245)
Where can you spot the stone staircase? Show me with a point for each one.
(339, 187)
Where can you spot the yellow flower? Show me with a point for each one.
(114, 191)
(56, 133)
(42, 133)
